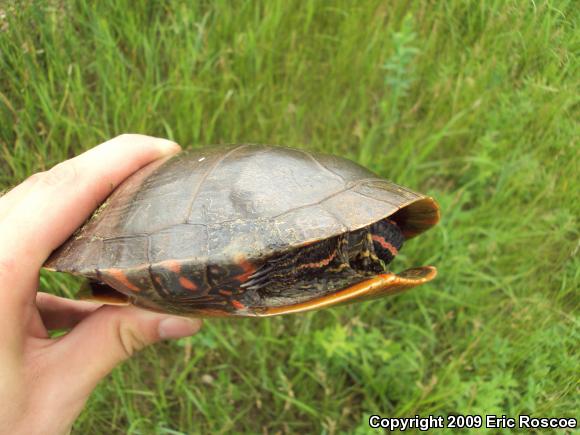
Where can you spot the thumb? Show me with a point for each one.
(112, 334)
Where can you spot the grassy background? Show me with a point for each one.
(475, 103)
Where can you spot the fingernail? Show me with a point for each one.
(177, 327)
(167, 146)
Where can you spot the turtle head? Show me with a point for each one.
(372, 248)
(387, 239)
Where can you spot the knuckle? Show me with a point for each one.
(63, 173)
(130, 341)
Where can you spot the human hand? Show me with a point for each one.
(44, 382)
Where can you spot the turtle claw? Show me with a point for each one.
(259, 278)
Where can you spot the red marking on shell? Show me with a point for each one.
(238, 305)
(173, 266)
(248, 269)
(320, 263)
(120, 276)
(225, 292)
(381, 241)
(186, 283)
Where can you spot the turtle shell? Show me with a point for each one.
(215, 213)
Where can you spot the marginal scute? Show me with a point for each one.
(354, 211)
(128, 281)
(385, 191)
(179, 242)
(174, 279)
(417, 217)
(125, 251)
(304, 225)
(350, 172)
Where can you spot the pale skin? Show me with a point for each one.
(44, 382)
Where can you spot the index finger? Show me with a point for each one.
(58, 201)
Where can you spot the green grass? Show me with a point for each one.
(475, 103)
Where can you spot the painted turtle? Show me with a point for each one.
(248, 230)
